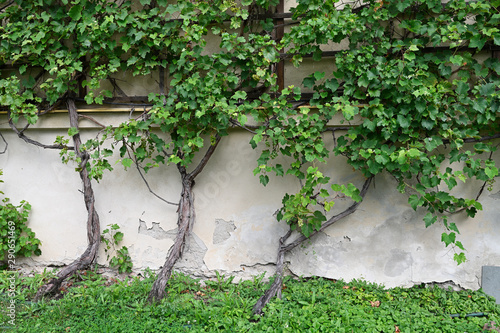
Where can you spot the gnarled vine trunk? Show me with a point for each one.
(184, 223)
(93, 226)
(275, 288)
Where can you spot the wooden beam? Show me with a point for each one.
(279, 32)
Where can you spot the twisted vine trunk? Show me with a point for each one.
(275, 288)
(185, 221)
(93, 226)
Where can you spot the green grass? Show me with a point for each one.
(96, 304)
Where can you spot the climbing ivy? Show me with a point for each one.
(416, 77)
(419, 78)
(61, 48)
(18, 240)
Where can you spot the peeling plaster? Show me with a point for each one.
(155, 231)
(495, 196)
(192, 258)
(385, 241)
(223, 230)
(253, 240)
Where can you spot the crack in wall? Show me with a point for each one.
(495, 196)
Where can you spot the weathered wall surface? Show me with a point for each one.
(236, 232)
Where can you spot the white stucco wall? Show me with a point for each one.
(236, 232)
(385, 241)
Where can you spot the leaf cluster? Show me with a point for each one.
(416, 76)
(111, 237)
(95, 303)
(17, 239)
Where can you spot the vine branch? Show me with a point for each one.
(6, 144)
(22, 136)
(136, 162)
(206, 157)
(275, 288)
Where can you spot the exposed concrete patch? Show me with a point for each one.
(446, 285)
(319, 255)
(398, 262)
(193, 255)
(155, 231)
(192, 259)
(222, 230)
(495, 195)
(253, 241)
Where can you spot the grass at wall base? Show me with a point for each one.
(94, 303)
(412, 71)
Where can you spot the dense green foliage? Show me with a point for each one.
(118, 258)
(417, 74)
(420, 79)
(16, 238)
(98, 304)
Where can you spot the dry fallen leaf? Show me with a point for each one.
(375, 304)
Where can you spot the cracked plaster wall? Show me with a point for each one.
(235, 232)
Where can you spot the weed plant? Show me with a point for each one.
(93, 303)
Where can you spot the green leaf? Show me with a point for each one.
(443, 196)
(427, 124)
(413, 47)
(319, 75)
(240, 94)
(118, 237)
(403, 121)
(363, 81)
(429, 219)
(309, 82)
(459, 258)
(72, 131)
(462, 88)
(332, 84)
(415, 201)
(270, 54)
(453, 227)
(457, 60)
(127, 162)
(410, 56)
(491, 172)
(413, 152)
(448, 238)
(317, 54)
(487, 89)
(75, 12)
(477, 41)
(382, 159)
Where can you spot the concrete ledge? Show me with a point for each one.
(490, 281)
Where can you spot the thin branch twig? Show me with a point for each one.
(246, 128)
(6, 144)
(149, 187)
(21, 135)
(92, 119)
(205, 158)
(351, 209)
